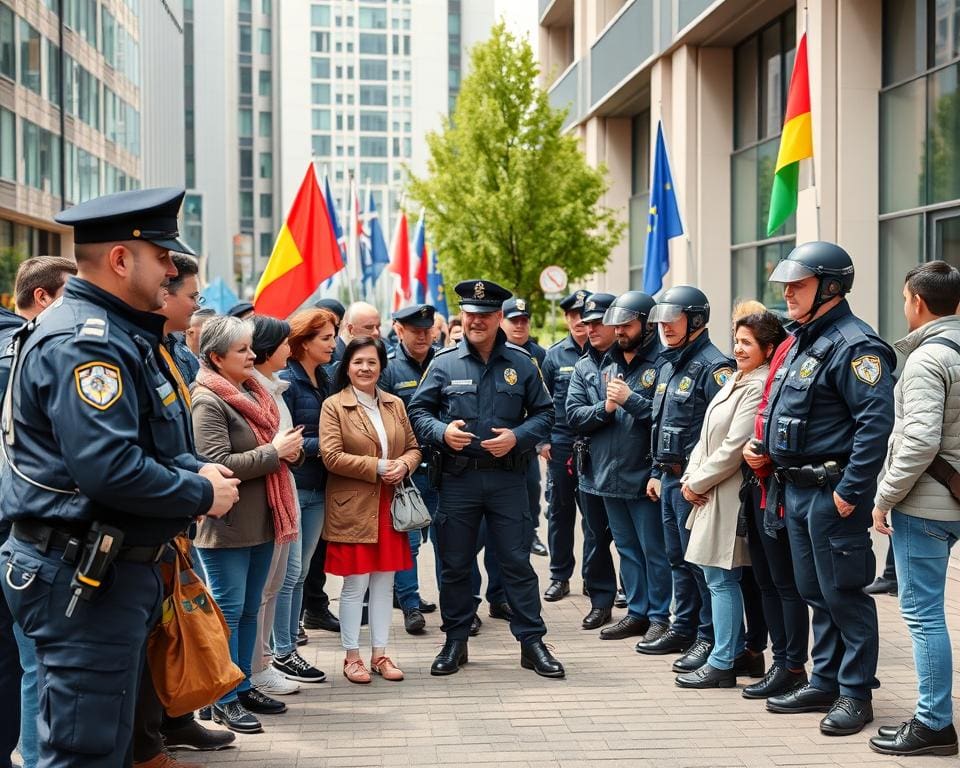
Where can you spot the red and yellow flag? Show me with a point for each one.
(796, 142)
(305, 254)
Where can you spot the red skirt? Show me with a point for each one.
(391, 551)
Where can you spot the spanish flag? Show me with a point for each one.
(796, 143)
(305, 254)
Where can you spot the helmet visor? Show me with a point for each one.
(788, 271)
(620, 316)
(666, 313)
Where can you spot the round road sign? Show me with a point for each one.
(553, 279)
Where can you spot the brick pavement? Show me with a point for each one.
(615, 708)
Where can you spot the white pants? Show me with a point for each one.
(380, 610)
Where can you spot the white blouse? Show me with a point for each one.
(371, 404)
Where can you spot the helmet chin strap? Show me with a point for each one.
(818, 302)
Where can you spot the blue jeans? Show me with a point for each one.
(29, 699)
(406, 583)
(726, 602)
(286, 621)
(236, 577)
(921, 549)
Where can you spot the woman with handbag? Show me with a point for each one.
(712, 484)
(368, 447)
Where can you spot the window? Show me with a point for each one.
(246, 163)
(29, 57)
(320, 93)
(375, 173)
(266, 165)
(319, 15)
(320, 146)
(8, 144)
(373, 69)
(246, 40)
(266, 124)
(41, 158)
(266, 244)
(246, 81)
(373, 18)
(265, 41)
(373, 121)
(88, 98)
(245, 123)
(108, 37)
(320, 68)
(374, 146)
(265, 86)
(246, 205)
(320, 42)
(266, 205)
(244, 6)
(8, 60)
(320, 119)
(111, 114)
(266, 7)
(53, 73)
(88, 175)
(81, 17)
(373, 95)
(371, 43)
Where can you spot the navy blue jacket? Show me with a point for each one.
(403, 373)
(619, 464)
(557, 371)
(506, 391)
(96, 417)
(833, 399)
(183, 357)
(304, 401)
(537, 352)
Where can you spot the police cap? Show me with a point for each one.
(332, 305)
(595, 306)
(481, 296)
(240, 309)
(516, 308)
(144, 214)
(575, 301)
(416, 316)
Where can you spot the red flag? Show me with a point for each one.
(400, 262)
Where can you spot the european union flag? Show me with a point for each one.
(664, 222)
(437, 295)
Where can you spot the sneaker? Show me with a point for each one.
(254, 701)
(205, 713)
(295, 667)
(273, 682)
(195, 736)
(236, 718)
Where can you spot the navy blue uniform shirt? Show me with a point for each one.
(96, 416)
(833, 399)
(506, 391)
(557, 370)
(403, 373)
(537, 352)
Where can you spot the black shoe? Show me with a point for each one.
(536, 656)
(475, 626)
(501, 611)
(806, 698)
(452, 656)
(294, 667)
(596, 618)
(258, 702)
(620, 601)
(889, 731)
(749, 665)
(537, 547)
(413, 622)
(657, 630)
(302, 638)
(708, 677)
(205, 714)
(694, 658)
(847, 717)
(778, 681)
(321, 620)
(236, 718)
(914, 738)
(670, 641)
(426, 607)
(881, 586)
(195, 736)
(556, 591)
(628, 626)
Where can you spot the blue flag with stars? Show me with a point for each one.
(437, 295)
(664, 220)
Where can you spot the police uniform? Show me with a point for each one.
(828, 418)
(95, 433)
(505, 391)
(562, 497)
(687, 381)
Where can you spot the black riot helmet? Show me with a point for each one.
(682, 300)
(630, 306)
(828, 262)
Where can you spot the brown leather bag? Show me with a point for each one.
(188, 650)
(940, 469)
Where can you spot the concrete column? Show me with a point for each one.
(681, 139)
(618, 157)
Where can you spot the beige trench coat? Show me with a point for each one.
(714, 470)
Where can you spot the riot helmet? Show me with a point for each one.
(828, 262)
(682, 300)
(630, 306)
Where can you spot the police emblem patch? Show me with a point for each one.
(521, 305)
(868, 369)
(808, 367)
(591, 305)
(98, 384)
(722, 376)
(510, 376)
(685, 383)
(661, 387)
(648, 377)
(479, 290)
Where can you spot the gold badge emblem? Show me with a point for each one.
(661, 387)
(98, 384)
(521, 305)
(808, 367)
(722, 376)
(868, 369)
(685, 383)
(510, 376)
(424, 311)
(581, 295)
(591, 305)
(479, 290)
(648, 377)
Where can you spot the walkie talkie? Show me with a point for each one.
(103, 546)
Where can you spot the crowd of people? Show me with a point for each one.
(737, 493)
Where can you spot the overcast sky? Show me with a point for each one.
(521, 16)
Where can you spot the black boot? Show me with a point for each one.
(452, 656)
(413, 622)
(596, 618)
(847, 717)
(749, 665)
(501, 610)
(536, 656)
(322, 619)
(556, 591)
(778, 681)
(914, 738)
(708, 677)
(881, 586)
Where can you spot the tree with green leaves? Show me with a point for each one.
(507, 193)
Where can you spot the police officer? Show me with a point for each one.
(100, 461)
(483, 406)
(562, 497)
(826, 426)
(692, 371)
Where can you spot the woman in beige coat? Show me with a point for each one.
(712, 484)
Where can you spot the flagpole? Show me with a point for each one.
(351, 238)
(813, 160)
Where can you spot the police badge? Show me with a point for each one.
(808, 367)
(479, 290)
(521, 305)
(648, 377)
(685, 383)
(510, 376)
(868, 369)
(98, 384)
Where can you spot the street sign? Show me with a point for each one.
(553, 296)
(553, 279)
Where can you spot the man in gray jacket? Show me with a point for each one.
(926, 516)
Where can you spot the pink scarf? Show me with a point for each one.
(263, 419)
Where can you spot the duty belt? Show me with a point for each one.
(455, 465)
(810, 475)
(71, 538)
(675, 470)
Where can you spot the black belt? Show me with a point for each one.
(810, 475)
(675, 470)
(453, 464)
(45, 537)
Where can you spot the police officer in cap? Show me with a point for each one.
(692, 371)
(562, 497)
(100, 476)
(826, 426)
(483, 406)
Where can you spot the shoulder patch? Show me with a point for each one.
(95, 328)
(518, 348)
(392, 354)
(868, 369)
(722, 375)
(98, 384)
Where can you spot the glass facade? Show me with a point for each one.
(639, 195)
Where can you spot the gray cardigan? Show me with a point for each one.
(927, 401)
(223, 436)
